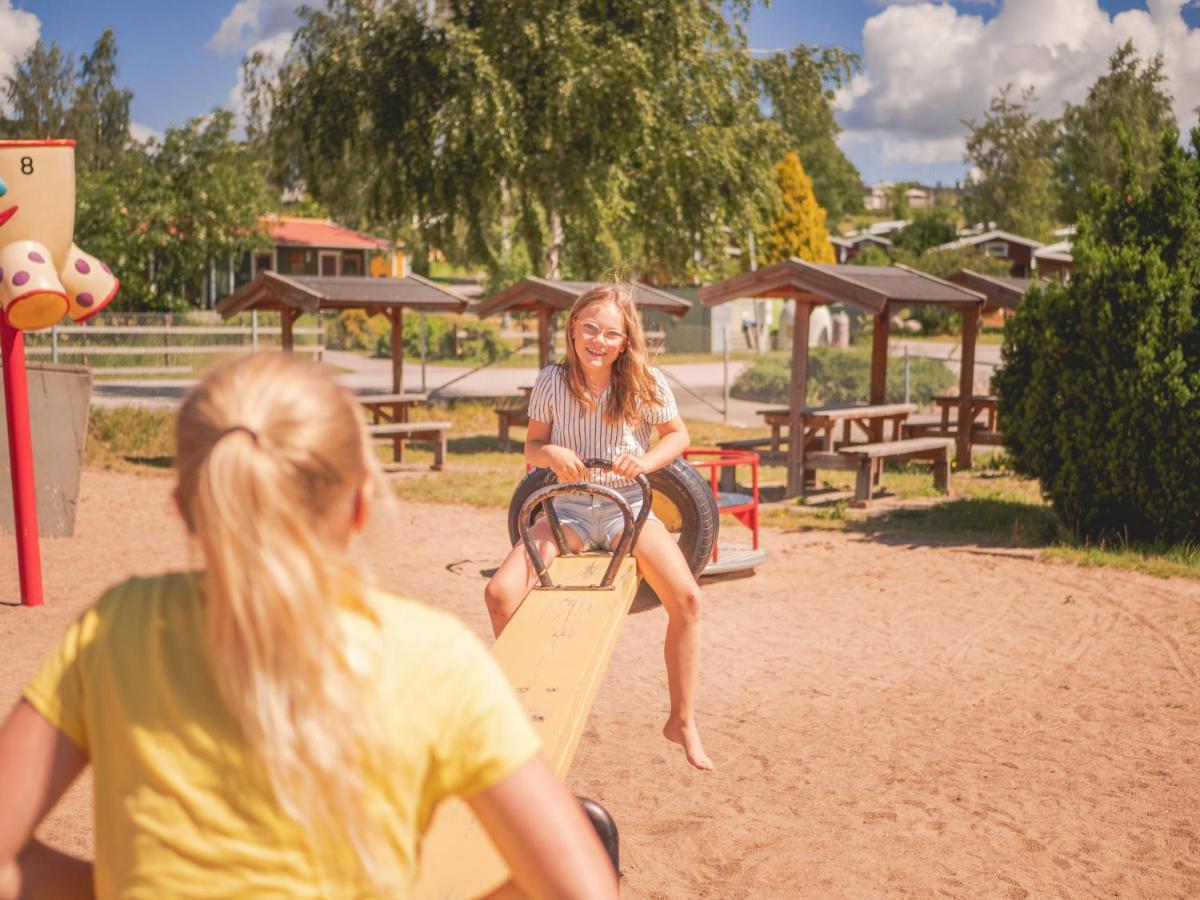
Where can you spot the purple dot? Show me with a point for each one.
(82, 267)
(36, 257)
(85, 299)
(105, 267)
(20, 278)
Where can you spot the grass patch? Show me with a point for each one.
(990, 506)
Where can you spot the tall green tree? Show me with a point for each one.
(40, 92)
(1101, 378)
(799, 88)
(799, 228)
(626, 133)
(1130, 95)
(99, 114)
(1012, 150)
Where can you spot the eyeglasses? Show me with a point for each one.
(591, 331)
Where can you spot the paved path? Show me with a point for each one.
(698, 387)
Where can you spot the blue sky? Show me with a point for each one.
(928, 66)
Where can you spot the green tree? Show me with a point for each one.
(799, 87)
(1089, 154)
(1013, 152)
(928, 229)
(623, 134)
(166, 215)
(99, 114)
(898, 200)
(39, 93)
(1101, 376)
(799, 229)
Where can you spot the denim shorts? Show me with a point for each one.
(597, 520)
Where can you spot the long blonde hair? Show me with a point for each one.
(633, 387)
(271, 458)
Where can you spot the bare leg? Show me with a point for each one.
(507, 589)
(667, 572)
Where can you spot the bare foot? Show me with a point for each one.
(689, 738)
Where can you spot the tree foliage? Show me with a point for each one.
(799, 228)
(1089, 153)
(571, 137)
(1012, 151)
(800, 89)
(1100, 390)
(930, 228)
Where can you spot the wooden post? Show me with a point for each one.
(286, 318)
(966, 387)
(396, 314)
(798, 399)
(544, 350)
(879, 361)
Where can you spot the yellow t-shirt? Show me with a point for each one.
(183, 806)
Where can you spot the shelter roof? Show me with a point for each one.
(994, 235)
(1060, 251)
(530, 294)
(869, 288)
(1001, 290)
(294, 231)
(862, 237)
(310, 293)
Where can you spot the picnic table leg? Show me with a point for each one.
(439, 452)
(775, 429)
(399, 414)
(864, 480)
(941, 471)
(503, 417)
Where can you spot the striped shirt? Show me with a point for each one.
(586, 431)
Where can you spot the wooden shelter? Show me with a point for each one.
(295, 295)
(877, 290)
(999, 291)
(547, 298)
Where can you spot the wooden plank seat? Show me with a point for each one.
(934, 427)
(511, 411)
(870, 459)
(398, 432)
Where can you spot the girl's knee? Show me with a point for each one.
(686, 605)
(496, 598)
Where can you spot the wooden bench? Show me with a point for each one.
(870, 459)
(399, 432)
(511, 411)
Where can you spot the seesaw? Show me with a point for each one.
(555, 650)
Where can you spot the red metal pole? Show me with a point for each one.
(20, 457)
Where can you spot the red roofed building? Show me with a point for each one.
(321, 247)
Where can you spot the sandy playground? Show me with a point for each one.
(887, 719)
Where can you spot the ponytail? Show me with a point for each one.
(271, 459)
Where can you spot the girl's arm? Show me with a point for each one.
(37, 764)
(565, 463)
(541, 831)
(673, 440)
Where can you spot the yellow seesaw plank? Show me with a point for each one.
(554, 652)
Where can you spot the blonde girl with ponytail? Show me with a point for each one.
(272, 725)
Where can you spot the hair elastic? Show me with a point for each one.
(232, 428)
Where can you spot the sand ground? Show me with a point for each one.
(888, 719)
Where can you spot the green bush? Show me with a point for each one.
(841, 376)
(1100, 389)
(479, 341)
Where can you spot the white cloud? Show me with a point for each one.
(928, 66)
(142, 133)
(273, 49)
(251, 22)
(18, 32)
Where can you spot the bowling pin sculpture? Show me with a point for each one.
(43, 275)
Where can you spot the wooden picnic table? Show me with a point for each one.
(820, 422)
(981, 404)
(389, 409)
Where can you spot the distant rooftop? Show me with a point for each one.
(295, 231)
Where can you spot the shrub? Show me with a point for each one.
(841, 376)
(1100, 389)
(479, 342)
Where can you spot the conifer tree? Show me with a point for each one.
(799, 230)
(1101, 379)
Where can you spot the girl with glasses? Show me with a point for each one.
(602, 402)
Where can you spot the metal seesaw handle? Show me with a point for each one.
(632, 527)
